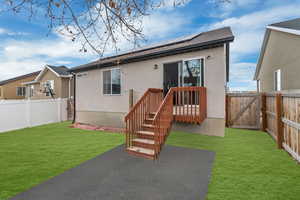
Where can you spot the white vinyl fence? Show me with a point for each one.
(17, 114)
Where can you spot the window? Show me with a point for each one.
(49, 85)
(21, 91)
(112, 81)
(31, 90)
(277, 80)
(191, 73)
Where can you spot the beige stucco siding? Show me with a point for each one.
(282, 52)
(140, 76)
(61, 86)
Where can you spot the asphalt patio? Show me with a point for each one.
(180, 173)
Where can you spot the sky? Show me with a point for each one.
(26, 46)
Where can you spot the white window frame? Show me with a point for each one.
(24, 90)
(115, 68)
(277, 87)
(193, 58)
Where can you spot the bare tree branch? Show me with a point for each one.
(97, 24)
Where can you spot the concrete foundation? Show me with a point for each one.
(210, 126)
(100, 118)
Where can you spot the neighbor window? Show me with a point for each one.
(31, 89)
(112, 81)
(21, 91)
(277, 80)
(49, 85)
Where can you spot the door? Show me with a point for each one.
(170, 76)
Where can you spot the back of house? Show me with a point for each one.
(104, 87)
(13, 88)
(278, 65)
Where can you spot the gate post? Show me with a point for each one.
(264, 124)
(227, 104)
(279, 124)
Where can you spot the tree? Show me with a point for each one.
(97, 24)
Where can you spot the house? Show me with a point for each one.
(278, 65)
(51, 82)
(182, 81)
(13, 88)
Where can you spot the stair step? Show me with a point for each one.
(141, 150)
(146, 132)
(148, 125)
(150, 119)
(152, 113)
(146, 141)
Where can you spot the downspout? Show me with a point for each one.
(74, 97)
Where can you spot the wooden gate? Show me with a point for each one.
(243, 110)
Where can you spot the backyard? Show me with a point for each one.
(247, 165)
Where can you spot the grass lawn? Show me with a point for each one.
(247, 166)
(33, 155)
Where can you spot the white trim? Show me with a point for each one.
(114, 68)
(286, 30)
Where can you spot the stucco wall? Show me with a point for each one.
(141, 75)
(282, 52)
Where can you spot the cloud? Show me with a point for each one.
(242, 74)
(160, 25)
(4, 31)
(249, 29)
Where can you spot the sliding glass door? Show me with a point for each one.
(191, 73)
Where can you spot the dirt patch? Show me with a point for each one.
(97, 128)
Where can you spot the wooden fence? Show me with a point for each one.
(282, 121)
(279, 116)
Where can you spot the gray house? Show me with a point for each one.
(182, 81)
(278, 65)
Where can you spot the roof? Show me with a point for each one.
(190, 43)
(61, 70)
(19, 78)
(290, 26)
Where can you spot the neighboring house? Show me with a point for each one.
(103, 87)
(52, 79)
(278, 67)
(13, 88)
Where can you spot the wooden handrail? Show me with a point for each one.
(184, 104)
(154, 90)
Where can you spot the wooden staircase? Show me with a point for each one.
(149, 122)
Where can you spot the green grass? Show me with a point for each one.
(247, 166)
(33, 155)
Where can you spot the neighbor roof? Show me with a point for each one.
(19, 78)
(190, 43)
(61, 70)
(290, 26)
